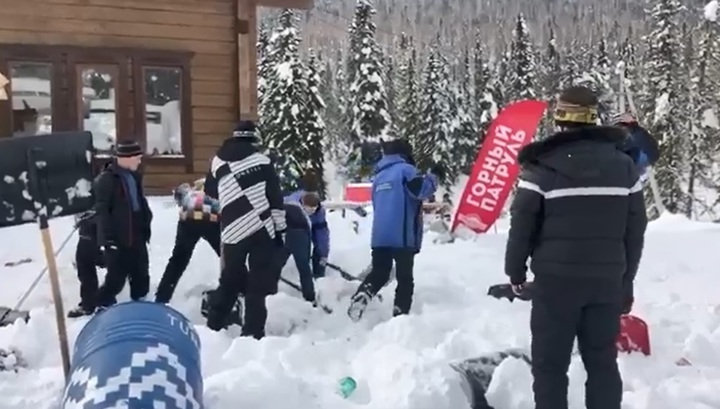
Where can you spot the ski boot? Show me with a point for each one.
(358, 304)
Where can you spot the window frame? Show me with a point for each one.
(130, 89)
(171, 60)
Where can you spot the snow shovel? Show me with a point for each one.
(634, 335)
(500, 291)
(477, 374)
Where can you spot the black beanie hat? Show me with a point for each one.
(245, 129)
(576, 105)
(128, 149)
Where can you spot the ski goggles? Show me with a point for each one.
(565, 112)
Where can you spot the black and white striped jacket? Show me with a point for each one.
(247, 186)
(579, 209)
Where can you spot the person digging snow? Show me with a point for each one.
(398, 192)
(299, 240)
(198, 219)
(320, 232)
(252, 218)
(579, 213)
(639, 144)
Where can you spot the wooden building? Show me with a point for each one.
(175, 75)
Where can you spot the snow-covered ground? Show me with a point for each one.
(400, 363)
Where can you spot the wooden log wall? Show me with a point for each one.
(205, 27)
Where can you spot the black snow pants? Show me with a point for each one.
(87, 257)
(189, 232)
(249, 269)
(565, 308)
(382, 263)
(125, 264)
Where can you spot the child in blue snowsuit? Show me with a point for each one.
(306, 240)
(398, 192)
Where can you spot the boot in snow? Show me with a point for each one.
(80, 311)
(358, 304)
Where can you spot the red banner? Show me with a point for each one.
(496, 167)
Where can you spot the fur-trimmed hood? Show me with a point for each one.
(575, 152)
(598, 134)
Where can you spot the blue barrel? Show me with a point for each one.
(136, 355)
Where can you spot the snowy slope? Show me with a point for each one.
(400, 363)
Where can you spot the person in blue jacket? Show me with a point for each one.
(640, 145)
(298, 239)
(398, 192)
(319, 230)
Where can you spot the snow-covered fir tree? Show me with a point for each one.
(313, 124)
(522, 63)
(465, 135)
(598, 78)
(662, 73)
(368, 117)
(368, 108)
(407, 91)
(285, 103)
(263, 63)
(434, 142)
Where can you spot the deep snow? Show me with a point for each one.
(400, 363)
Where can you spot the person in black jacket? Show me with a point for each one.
(579, 213)
(252, 223)
(123, 219)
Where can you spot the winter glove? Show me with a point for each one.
(439, 171)
(628, 298)
(323, 261)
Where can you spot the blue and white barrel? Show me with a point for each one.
(136, 355)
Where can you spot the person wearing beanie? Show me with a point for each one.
(398, 192)
(252, 225)
(579, 213)
(199, 218)
(320, 231)
(123, 219)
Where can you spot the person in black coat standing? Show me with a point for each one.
(88, 258)
(123, 220)
(252, 224)
(579, 213)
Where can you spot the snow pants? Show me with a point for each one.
(564, 308)
(298, 244)
(382, 263)
(189, 232)
(125, 264)
(87, 258)
(249, 269)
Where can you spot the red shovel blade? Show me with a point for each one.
(634, 335)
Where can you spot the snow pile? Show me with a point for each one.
(399, 363)
(711, 10)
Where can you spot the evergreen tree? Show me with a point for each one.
(434, 143)
(313, 124)
(263, 64)
(661, 71)
(597, 78)
(407, 93)
(285, 103)
(367, 108)
(522, 63)
(465, 135)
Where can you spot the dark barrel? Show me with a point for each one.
(136, 355)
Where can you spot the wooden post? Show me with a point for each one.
(247, 50)
(37, 173)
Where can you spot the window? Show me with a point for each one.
(163, 111)
(31, 90)
(97, 109)
(136, 94)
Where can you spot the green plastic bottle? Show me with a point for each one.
(347, 386)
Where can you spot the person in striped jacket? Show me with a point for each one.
(198, 219)
(252, 225)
